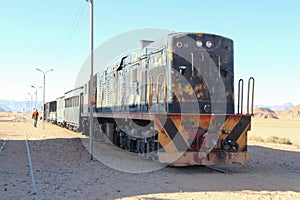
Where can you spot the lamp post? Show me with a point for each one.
(44, 74)
(30, 101)
(91, 77)
(35, 94)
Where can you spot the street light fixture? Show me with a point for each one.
(36, 89)
(44, 74)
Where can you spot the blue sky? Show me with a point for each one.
(41, 34)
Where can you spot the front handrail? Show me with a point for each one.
(240, 96)
(251, 79)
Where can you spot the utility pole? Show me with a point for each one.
(91, 77)
(44, 75)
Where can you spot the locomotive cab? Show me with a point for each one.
(202, 76)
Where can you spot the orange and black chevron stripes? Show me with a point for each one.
(179, 133)
(231, 122)
(239, 133)
(164, 139)
(169, 132)
(242, 140)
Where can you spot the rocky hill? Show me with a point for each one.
(293, 113)
(264, 113)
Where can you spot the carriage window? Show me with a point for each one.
(77, 101)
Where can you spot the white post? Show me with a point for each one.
(91, 77)
(43, 115)
(44, 76)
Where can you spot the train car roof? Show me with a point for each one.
(78, 88)
(61, 97)
(50, 101)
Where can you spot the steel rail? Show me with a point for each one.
(31, 169)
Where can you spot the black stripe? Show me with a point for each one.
(176, 137)
(161, 148)
(239, 128)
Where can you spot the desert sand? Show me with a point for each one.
(265, 128)
(62, 168)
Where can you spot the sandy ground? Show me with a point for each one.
(63, 170)
(265, 128)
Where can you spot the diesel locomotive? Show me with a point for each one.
(172, 100)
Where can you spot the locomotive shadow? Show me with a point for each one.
(268, 170)
(63, 164)
(119, 159)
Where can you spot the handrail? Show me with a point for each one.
(248, 99)
(192, 64)
(240, 96)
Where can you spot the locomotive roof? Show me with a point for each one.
(154, 47)
(194, 33)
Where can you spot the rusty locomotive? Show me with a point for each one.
(172, 100)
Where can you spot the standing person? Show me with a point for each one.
(35, 117)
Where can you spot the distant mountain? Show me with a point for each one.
(293, 113)
(2, 110)
(286, 106)
(18, 106)
(264, 113)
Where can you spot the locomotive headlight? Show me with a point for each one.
(179, 44)
(208, 44)
(199, 43)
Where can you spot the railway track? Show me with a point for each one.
(217, 170)
(2, 144)
(31, 169)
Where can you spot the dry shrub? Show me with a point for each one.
(284, 141)
(278, 140)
